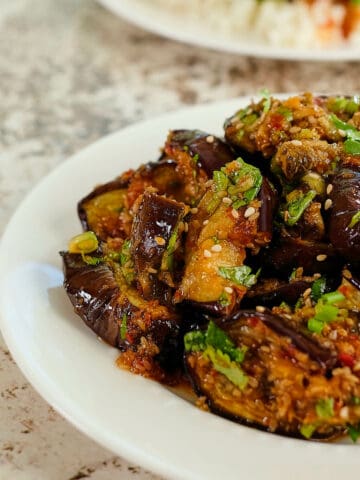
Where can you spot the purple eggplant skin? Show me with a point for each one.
(272, 292)
(98, 300)
(288, 253)
(94, 293)
(154, 223)
(269, 201)
(326, 358)
(213, 153)
(345, 197)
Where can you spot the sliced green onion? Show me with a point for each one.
(315, 326)
(325, 408)
(86, 242)
(307, 430)
(355, 219)
(333, 297)
(123, 328)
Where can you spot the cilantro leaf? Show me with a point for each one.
(239, 275)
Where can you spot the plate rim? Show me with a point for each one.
(65, 408)
(139, 17)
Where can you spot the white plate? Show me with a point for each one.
(76, 373)
(152, 18)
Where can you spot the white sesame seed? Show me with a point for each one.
(249, 211)
(235, 213)
(152, 270)
(344, 413)
(205, 222)
(207, 253)
(216, 248)
(329, 188)
(317, 275)
(314, 175)
(297, 143)
(228, 290)
(227, 200)
(194, 210)
(321, 258)
(160, 241)
(209, 183)
(333, 335)
(210, 139)
(328, 203)
(307, 292)
(260, 309)
(186, 226)
(342, 133)
(286, 215)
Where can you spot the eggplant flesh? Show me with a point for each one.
(288, 376)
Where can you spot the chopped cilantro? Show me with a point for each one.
(266, 99)
(325, 408)
(223, 364)
(318, 288)
(354, 432)
(239, 275)
(221, 180)
(286, 113)
(352, 144)
(296, 207)
(215, 337)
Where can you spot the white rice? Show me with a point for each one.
(273, 22)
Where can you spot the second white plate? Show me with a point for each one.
(152, 18)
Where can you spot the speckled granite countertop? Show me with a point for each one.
(70, 72)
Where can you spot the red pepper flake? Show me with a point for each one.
(345, 290)
(253, 321)
(276, 121)
(346, 359)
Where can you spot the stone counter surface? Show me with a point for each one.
(70, 72)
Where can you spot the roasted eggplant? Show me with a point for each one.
(235, 263)
(258, 369)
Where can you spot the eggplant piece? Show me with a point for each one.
(264, 126)
(154, 234)
(215, 276)
(121, 317)
(344, 221)
(296, 158)
(288, 253)
(104, 210)
(272, 291)
(211, 152)
(257, 369)
(163, 176)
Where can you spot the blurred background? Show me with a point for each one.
(70, 73)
